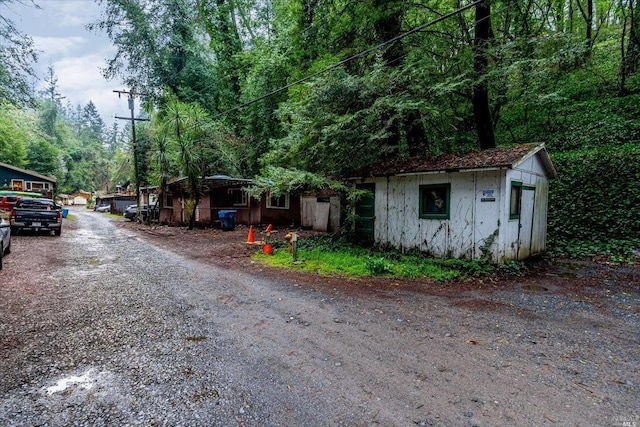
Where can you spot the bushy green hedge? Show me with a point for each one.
(594, 206)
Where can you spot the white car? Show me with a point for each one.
(103, 208)
(5, 242)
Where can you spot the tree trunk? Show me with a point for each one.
(388, 26)
(196, 202)
(630, 57)
(480, 97)
(587, 15)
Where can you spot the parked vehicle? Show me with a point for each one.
(8, 201)
(37, 215)
(130, 212)
(103, 208)
(5, 239)
(9, 198)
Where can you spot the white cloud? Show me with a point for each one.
(81, 81)
(77, 55)
(77, 13)
(57, 46)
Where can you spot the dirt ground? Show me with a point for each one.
(558, 346)
(229, 249)
(564, 336)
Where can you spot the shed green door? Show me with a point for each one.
(365, 214)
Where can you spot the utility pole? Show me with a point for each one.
(134, 143)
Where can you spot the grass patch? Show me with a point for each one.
(338, 257)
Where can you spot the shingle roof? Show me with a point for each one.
(500, 157)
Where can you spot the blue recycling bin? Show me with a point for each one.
(227, 219)
(65, 212)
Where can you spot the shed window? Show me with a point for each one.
(278, 202)
(516, 196)
(168, 201)
(434, 201)
(237, 196)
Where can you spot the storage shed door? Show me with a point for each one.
(365, 214)
(525, 232)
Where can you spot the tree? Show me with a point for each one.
(17, 55)
(186, 126)
(480, 97)
(629, 42)
(43, 157)
(51, 91)
(14, 135)
(159, 51)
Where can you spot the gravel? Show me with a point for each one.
(110, 326)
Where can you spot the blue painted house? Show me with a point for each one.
(17, 179)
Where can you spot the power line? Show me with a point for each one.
(357, 55)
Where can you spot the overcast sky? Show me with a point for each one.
(77, 55)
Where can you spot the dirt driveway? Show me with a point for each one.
(559, 346)
(166, 336)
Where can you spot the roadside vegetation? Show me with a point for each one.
(594, 208)
(329, 256)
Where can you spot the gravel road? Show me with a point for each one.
(101, 327)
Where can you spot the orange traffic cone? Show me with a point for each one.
(269, 228)
(251, 237)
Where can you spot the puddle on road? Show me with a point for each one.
(85, 381)
(196, 338)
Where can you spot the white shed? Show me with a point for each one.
(489, 204)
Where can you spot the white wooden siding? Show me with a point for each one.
(487, 214)
(460, 233)
(474, 224)
(396, 204)
(539, 234)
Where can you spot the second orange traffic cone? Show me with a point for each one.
(251, 237)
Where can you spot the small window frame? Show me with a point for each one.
(17, 185)
(237, 196)
(443, 189)
(517, 188)
(167, 202)
(271, 198)
(515, 199)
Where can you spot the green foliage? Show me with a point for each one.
(595, 205)
(337, 255)
(17, 56)
(620, 251)
(43, 157)
(379, 266)
(14, 135)
(513, 268)
(278, 180)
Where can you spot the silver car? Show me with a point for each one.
(5, 244)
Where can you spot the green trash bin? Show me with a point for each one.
(227, 219)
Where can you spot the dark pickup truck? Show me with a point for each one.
(37, 215)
